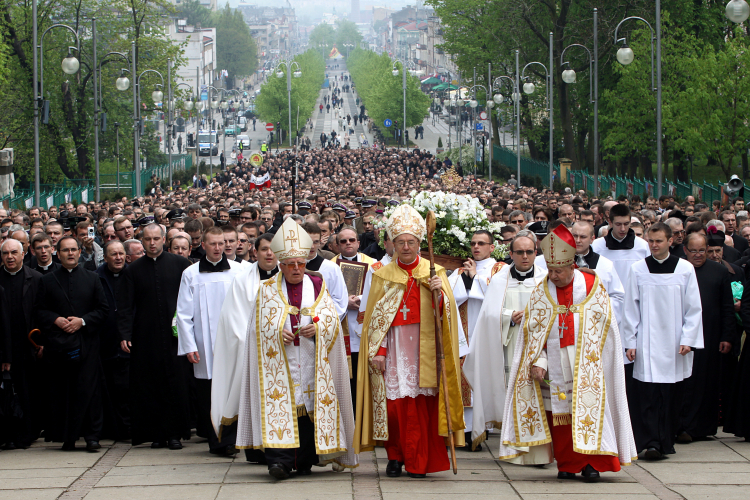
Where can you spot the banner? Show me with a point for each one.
(29, 203)
(85, 196)
(261, 182)
(50, 201)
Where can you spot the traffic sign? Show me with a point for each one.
(387, 122)
(480, 127)
(269, 127)
(483, 115)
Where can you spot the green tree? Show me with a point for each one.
(347, 33)
(322, 38)
(236, 51)
(195, 14)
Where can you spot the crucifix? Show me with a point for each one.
(404, 310)
(291, 237)
(562, 327)
(310, 392)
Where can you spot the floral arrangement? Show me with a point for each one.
(457, 218)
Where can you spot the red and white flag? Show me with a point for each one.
(264, 181)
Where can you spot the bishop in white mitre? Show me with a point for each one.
(566, 397)
(493, 343)
(469, 284)
(295, 401)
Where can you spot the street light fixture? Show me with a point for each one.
(625, 56)
(123, 82)
(288, 65)
(137, 119)
(569, 76)
(737, 11)
(70, 64)
(516, 96)
(403, 86)
(157, 95)
(529, 88)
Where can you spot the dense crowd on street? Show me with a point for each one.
(146, 320)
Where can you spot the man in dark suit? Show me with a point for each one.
(71, 310)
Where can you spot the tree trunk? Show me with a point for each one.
(566, 120)
(632, 166)
(680, 166)
(646, 167)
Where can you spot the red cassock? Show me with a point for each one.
(413, 422)
(562, 437)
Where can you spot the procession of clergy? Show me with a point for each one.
(581, 355)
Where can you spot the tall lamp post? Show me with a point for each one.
(70, 66)
(516, 96)
(404, 64)
(288, 64)
(187, 104)
(348, 46)
(569, 76)
(529, 88)
(157, 96)
(122, 84)
(473, 103)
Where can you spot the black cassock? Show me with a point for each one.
(698, 413)
(146, 302)
(26, 371)
(75, 385)
(736, 374)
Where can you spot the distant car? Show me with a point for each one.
(243, 123)
(231, 128)
(246, 142)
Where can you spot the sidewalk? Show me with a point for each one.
(712, 469)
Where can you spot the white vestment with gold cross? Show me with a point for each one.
(587, 379)
(281, 382)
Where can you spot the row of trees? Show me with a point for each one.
(271, 105)
(66, 142)
(382, 92)
(705, 95)
(324, 36)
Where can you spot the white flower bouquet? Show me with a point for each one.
(457, 218)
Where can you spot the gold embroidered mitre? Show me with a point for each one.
(405, 220)
(559, 247)
(291, 241)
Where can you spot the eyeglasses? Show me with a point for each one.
(519, 221)
(682, 231)
(478, 243)
(294, 265)
(350, 240)
(702, 251)
(521, 253)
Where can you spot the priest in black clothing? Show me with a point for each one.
(43, 248)
(71, 310)
(115, 361)
(19, 286)
(146, 303)
(698, 408)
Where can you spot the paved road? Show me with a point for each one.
(718, 469)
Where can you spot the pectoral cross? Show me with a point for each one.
(404, 310)
(561, 328)
(310, 392)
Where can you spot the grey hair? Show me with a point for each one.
(15, 227)
(673, 222)
(526, 215)
(128, 243)
(717, 223)
(648, 214)
(2, 247)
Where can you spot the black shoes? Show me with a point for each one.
(652, 454)
(416, 476)
(174, 444)
(304, 472)
(93, 445)
(590, 474)
(565, 475)
(278, 471)
(684, 438)
(393, 469)
(69, 446)
(158, 444)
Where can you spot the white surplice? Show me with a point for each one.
(335, 285)
(199, 304)
(229, 349)
(662, 312)
(493, 345)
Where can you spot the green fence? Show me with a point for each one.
(578, 179)
(84, 190)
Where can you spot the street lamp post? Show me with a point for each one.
(70, 66)
(404, 63)
(516, 96)
(473, 103)
(529, 88)
(157, 96)
(569, 76)
(288, 64)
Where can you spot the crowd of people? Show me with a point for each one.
(146, 320)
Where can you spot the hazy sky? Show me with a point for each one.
(312, 10)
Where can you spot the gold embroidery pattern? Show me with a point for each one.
(277, 394)
(589, 390)
(530, 422)
(326, 401)
(380, 322)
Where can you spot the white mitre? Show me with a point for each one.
(406, 220)
(291, 241)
